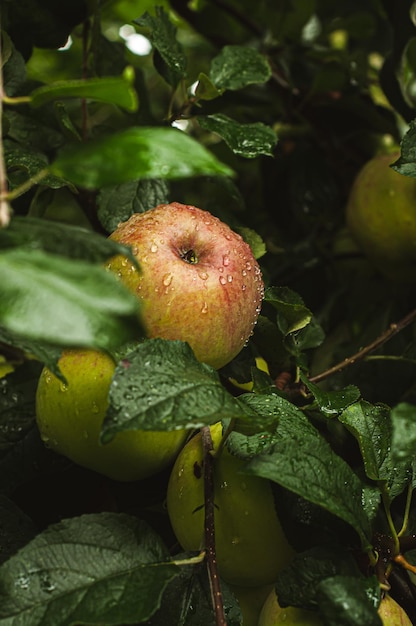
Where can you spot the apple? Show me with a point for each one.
(250, 544)
(198, 280)
(381, 216)
(251, 601)
(272, 614)
(69, 417)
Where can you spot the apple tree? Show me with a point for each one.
(263, 114)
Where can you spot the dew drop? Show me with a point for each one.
(204, 308)
(63, 387)
(203, 275)
(229, 278)
(223, 280)
(167, 279)
(243, 287)
(135, 250)
(226, 260)
(153, 247)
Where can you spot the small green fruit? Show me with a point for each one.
(70, 416)
(250, 544)
(381, 216)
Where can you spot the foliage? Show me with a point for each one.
(262, 113)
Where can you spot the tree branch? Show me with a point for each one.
(209, 527)
(392, 330)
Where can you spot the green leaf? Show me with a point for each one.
(106, 567)
(23, 163)
(293, 315)
(254, 240)
(303, 462)
(169, 58)
(142, 152)
(114, 90)
(64, 240)
(205, 89)
(298, 583)
(64, 302)
(236, 67)
(246, 140)
(161, 386)
(332, 402)
(403, 442)
(406, 163)
(349, 601)
(371, 425)
(117, 204)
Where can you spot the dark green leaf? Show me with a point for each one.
(403, 425)
(61, 239)
(304, 463)
(349, 601)
(161, 386)
(142, 152)
(371, 425)
(298, 583)
(236, 67)
(406, 163)
(64, 302)
(246, 140)
(115, 90)
(23, 163)
(293, 315)
(107, 567)
(170, 60)
(117, 204)
(332, 402)
(311, 336)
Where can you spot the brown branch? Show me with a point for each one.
(209, 527)
(392, 330)
(5, 211)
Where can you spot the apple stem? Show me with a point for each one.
(209, 527)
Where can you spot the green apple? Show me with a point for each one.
(251, 601)
(198, 279)
(381, 216)
(272, 614)
(69, 417)
(250, 543)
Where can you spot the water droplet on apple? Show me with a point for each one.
(63, 387)
(94, 408)
(228, 236)
(223, 280)
(48, 379)
(243, 287)
(135, 250)
(226, 260)
(153, 247)
(248, 265)
(203, 275)
(204, 308)
(167, 279)
(229, 278)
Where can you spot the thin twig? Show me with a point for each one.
(392, 330)
(209, 527)
(5, 211)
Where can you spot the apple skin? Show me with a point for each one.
(381, 216)
(70, 416)
(272, 614)
(250, 544)
(198, 281)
